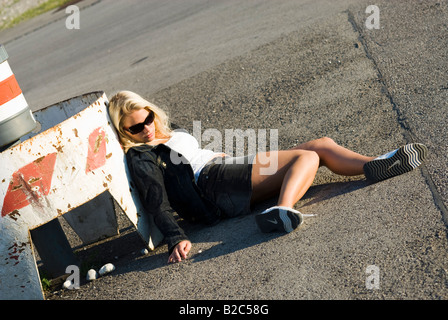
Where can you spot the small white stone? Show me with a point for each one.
(108, 267)
(92, 275)
(67, 284)
(144, 252)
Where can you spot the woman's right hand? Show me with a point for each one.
(180, 252)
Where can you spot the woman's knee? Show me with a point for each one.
(317, 145)
(314, 158)
(323, 143)
(310, 157)
(268, 182)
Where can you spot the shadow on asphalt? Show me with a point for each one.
(327, 191)
(229, 236)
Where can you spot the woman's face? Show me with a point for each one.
(140, 116)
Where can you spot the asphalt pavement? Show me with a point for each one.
(308, 69)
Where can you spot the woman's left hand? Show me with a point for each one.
(180, 251)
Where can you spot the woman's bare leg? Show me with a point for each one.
(294, 174)
(335, 157)
(296, 169)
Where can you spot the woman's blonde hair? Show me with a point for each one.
(124, 103)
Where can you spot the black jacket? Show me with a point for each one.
(166, 188)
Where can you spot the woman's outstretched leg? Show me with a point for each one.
(346, 162)
(297, 167)
(338, 159)
(294, 173)
(289, 175)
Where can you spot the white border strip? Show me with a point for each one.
(13, 107)
(5, 71)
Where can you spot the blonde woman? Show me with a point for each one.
(175, 175)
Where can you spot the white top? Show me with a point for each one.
(187, 145)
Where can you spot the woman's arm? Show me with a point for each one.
(149, 181)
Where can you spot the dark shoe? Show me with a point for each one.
(397, 162)
(281, 219)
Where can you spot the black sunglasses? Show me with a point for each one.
(137, 128)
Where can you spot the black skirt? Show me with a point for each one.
(228, 183)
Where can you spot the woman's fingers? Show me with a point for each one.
(175, 256)
(185, 249)
(180, 252)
